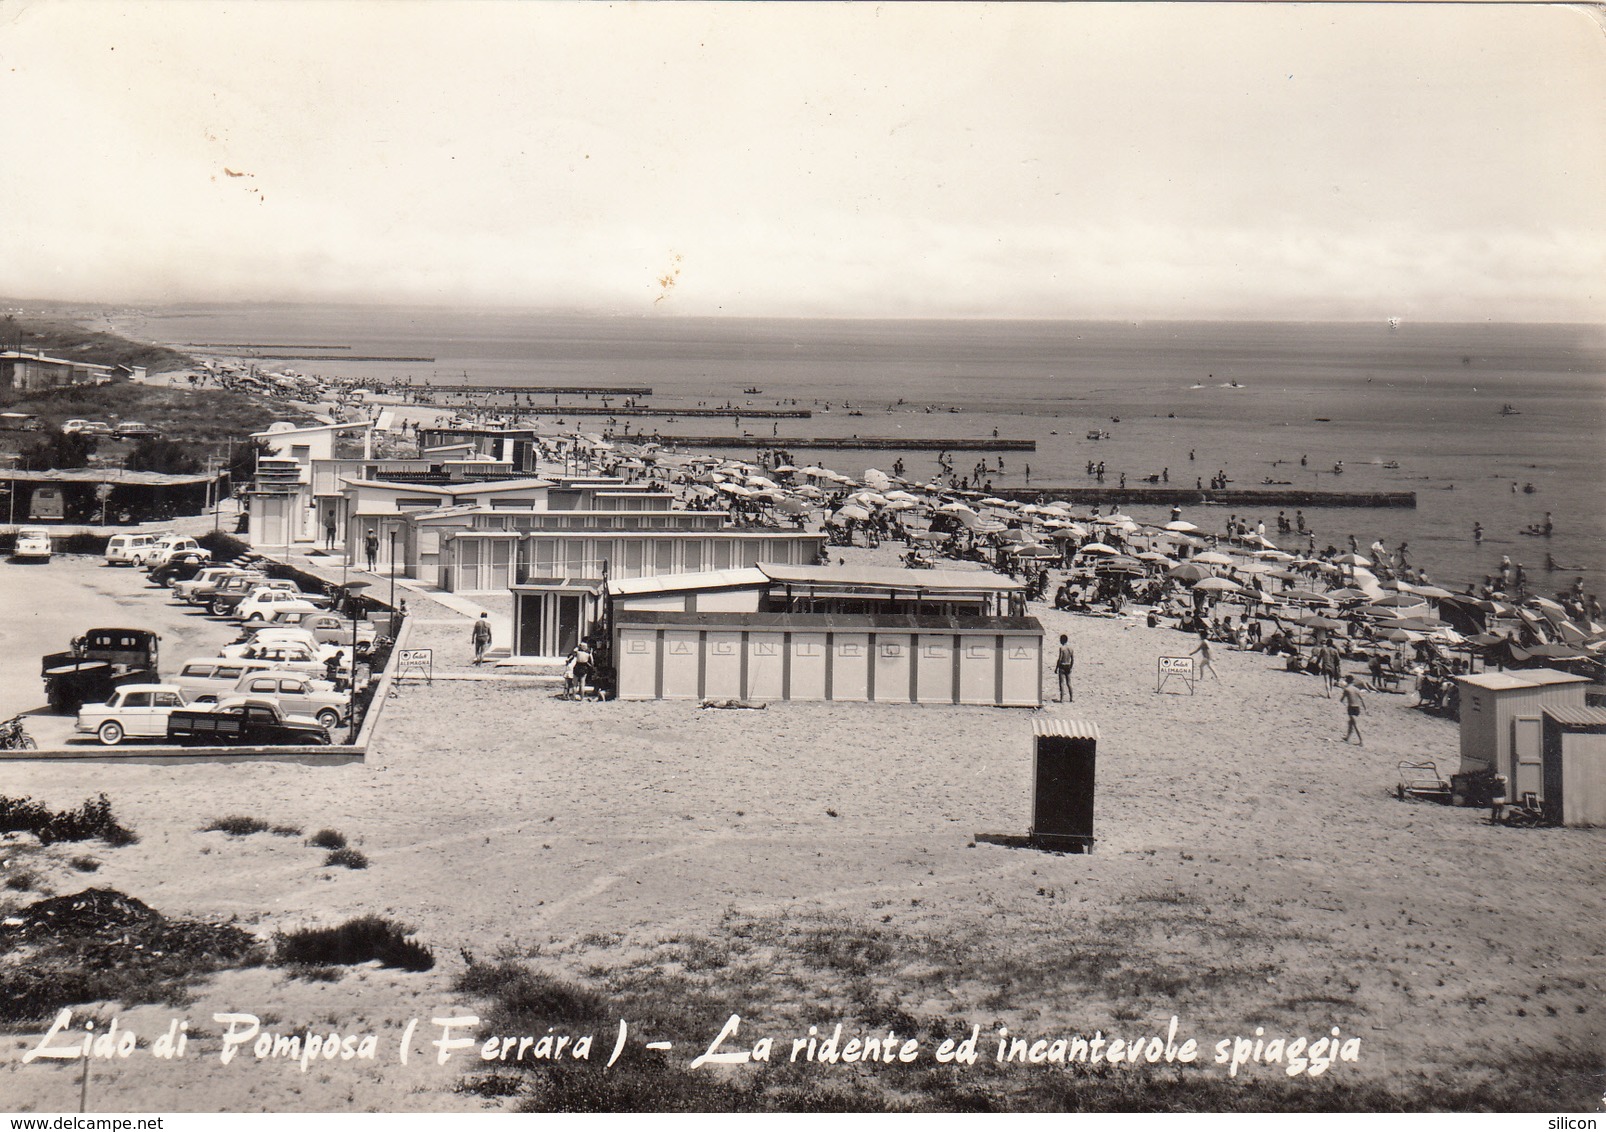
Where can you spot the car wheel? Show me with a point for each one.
(111, 733)
(330, 718)
(255, 617)
(219, 609)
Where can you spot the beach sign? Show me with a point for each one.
(420, 662)
(1174, 668)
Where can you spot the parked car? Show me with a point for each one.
(329, 628)
(281, 651)
(199, 589)
(121, 549)
(72, 425)
(232, 591)
(169, 546)
(296, 694)
(183, 565)
(206, 679)
(242, 721)
(262, 602)
(95, 428)
(134, 711)
(135, 429)
(34, 543)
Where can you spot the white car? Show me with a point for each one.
(32, 542)
(263, 602)
(134, 711)
(167, 547)
(289, 650)
(122, 549)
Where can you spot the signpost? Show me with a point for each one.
(1169, 668)
(420, 662)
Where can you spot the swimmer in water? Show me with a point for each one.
(1477, 532)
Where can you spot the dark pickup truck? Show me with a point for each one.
(251, 723)
(99, 662)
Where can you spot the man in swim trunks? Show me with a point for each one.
(1353, 705)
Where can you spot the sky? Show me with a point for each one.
(1424, 161)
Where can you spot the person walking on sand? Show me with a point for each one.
(1063, 663)
(370, 547)
(1203, 653)
(480, 637)
(1354, 705)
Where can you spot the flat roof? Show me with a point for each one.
(106, 475)
(299, 429)
(1523, 678)
(1578, 716)
(465, 488)
(702, 580)
(745, 534)
(825, 622)
(893, 578)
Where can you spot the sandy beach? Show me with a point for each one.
(1251, 871)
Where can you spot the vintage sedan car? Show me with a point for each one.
(134, 711)
(296, 694)
(330, 628)
(263, 602)
(33, 543)
(167, 547)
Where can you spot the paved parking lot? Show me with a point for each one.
(44, 605)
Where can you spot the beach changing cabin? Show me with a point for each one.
(1574, 745)
(1502, 718)
(786, 632)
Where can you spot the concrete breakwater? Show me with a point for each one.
(889, 443)
(1167, 496)
(533, 390)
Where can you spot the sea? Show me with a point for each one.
(1497, 424)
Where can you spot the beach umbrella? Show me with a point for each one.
(1098, 548)
(852, 511)
(1056, 509)
(1309, 597)
(1212, 558)
(901, 505)
(784, 468)
(902, 496)
(1434, 592)
(1155, 556)
(1189, 572)
(876, 478)
(927, 536)
(1218, 585)
(1180, 525)
(1400, 599)
(993, 501)
(1033, 550)
(1417, 624)
(1349, 594)
(809, 491)
(957, 509)
(1400, 636)
(1314, 621)
(1352, 560)
(982, 526)
(791, 506)
(1015, 534)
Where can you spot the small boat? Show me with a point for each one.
(1269, 482)
(1509, 411)
(1392, 465)
(752, 389)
